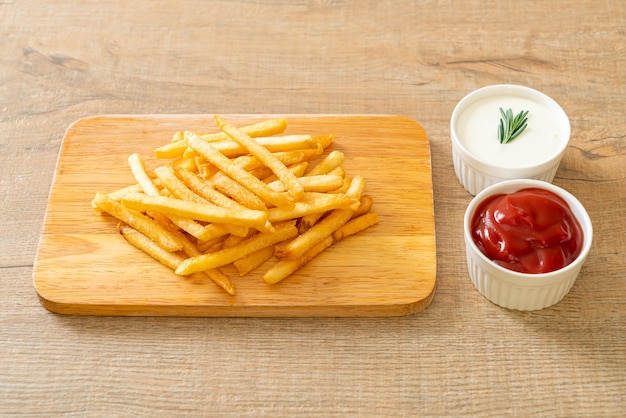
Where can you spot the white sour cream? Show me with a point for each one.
(544, 137)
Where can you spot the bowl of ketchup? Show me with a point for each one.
(526, 241)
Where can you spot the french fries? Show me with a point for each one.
(241, 197)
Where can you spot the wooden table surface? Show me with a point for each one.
(462, 356)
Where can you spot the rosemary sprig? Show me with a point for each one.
(511, 127)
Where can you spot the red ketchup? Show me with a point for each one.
(529, 231)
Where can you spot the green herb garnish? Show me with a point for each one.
(511, 127)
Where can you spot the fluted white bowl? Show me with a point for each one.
(523, 291)
(480, 160)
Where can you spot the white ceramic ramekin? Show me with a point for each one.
(523, 291)
(479, 158)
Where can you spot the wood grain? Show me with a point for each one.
(85, 267)
(63, 60)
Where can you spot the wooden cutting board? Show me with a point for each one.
(85, 267)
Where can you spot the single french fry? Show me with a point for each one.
(188, 163)
(307, 221)
(337, 171)
(178, 136)
(118, 194)
(139, 172)
(233, 240)
(297, 170)
(228, 255)
(171, 150)
(236, 191)
(312, 203)
(204, 169)
(294, 157)
(139, 221)
(344, 187)
(284, 174)
(333, 160)
(250, 262)
(231, 148)
(355, 225)
(324, 140)
(211, 245)
(265, 128)
(221, 280)
(321, 183)
(286, 142)
(147, 245)
(289, 158)
(284, 268)
(243, 177)
(262, 173)
(201, 212)
(366, 204)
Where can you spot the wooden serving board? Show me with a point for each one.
(85, 267)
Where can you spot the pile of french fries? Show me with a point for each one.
(241, 196)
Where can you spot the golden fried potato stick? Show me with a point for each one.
(229, 187)
(265, 128)
(178, 136)
(289, 158)
(313, 203)
(190, 163)
(322, 183)
(118, 194)
(285, 268)
(333, 160)
(324, 228)
(228, 255)
(266, 157)
(147, 245)
(307, 221)
(191, 210)
(239, 175)
(231, 148)
(366, 204)
(286, 142)
(139, 172)
(211, 245)
(139, 221)
(324, 140)
(250, 262)
(297, 170)
(355, 225)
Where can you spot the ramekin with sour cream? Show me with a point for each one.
(480, 160)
